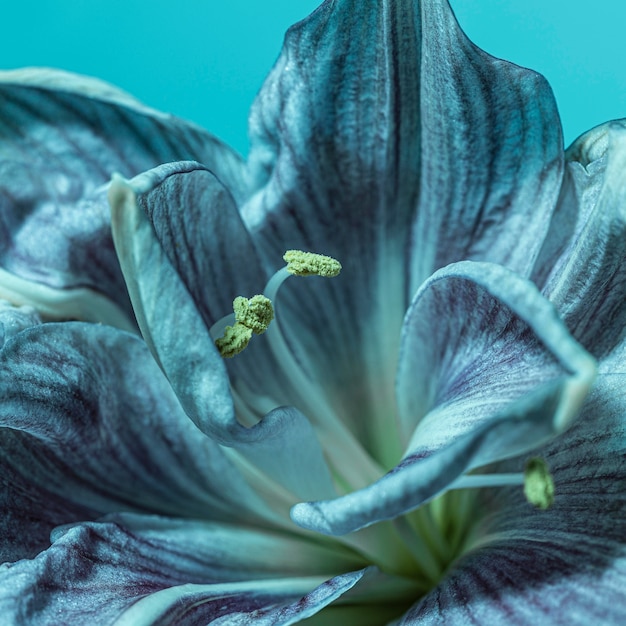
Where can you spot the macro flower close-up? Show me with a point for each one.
(373, 374)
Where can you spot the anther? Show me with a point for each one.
(538, 483)
(310, 264)
(252, 316)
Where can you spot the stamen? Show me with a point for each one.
(236, 338)
(255, 313)
(473, 481)
(538, 483)
(338, 441)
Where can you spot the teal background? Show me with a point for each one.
(205, 59)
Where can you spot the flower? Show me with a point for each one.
(361, 460)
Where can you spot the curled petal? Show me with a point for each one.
(487, 370)
(587, 281)
(157, 248)
(563, 565)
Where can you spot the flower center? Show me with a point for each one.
(421, 544)
(254, 315)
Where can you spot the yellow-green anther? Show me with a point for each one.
(235, 339)
(310, 264)
(538, 483)
(251, 316)
(255, 313)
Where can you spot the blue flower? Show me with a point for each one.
(361, 461)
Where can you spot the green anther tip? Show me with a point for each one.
(310, 264)
(538, 483)
(234, 341)
(255, 313)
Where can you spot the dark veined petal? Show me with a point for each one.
(378, 114)
(384, 138)
(487, 370)
(176, 302)
(586, 277)
(566, 565)
(89, 425)
(62, 137)
(135, 570)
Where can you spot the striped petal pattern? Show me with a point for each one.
(63, 136)
(564, 565)
(593, 302)
(148, 570)
(384, 138)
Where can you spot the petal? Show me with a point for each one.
(163, 571)
(384, 138)
(487, 371)
(167, 314)
(286, 448)
(477, 339)
(564, 565)
(63, 136)
(378, 112)
(587, 282)
(90, 425)
(157, 248)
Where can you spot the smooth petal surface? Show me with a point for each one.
(63, 136)
(587, 281)
(90, 425)
(486, 371)
(146, 570)
(566, 565)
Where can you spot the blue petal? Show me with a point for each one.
(486, 371)
(90, 425)
(384, 138)
(156, 247)
(166, 312)
(587, 277)
(287, 449)
(140, 570)
(380, 117)
(564, 565)
(63, 136)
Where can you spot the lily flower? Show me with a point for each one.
(374, 374)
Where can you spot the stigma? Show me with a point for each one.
(233, 333)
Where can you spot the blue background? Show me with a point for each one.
(205, 59)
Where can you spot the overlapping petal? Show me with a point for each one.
(90, 425)
(487, 370)
(564, 565)
(185, 255)
(137, 570)
(63, 138)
